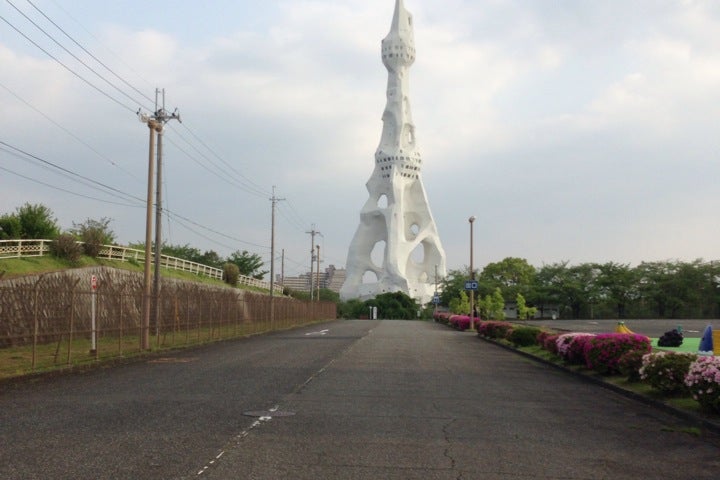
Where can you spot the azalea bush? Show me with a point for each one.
(703, 381)
(666, 371)
(523, 336)
(570, 346)
(629, 364)
(461, 322)
(442, 317)
(602, 352)
(493, 329)
(548, 341)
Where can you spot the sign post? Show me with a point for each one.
(93, 303)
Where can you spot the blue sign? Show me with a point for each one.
(471, 285)
(436, 299)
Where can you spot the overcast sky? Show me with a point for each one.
(577, 130)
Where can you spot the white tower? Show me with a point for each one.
(396, 229)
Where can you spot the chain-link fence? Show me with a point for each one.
(50, 325)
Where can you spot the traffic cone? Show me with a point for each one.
(706, 342)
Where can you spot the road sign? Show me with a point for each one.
(93, 283)
(436, 299)
(471, 285)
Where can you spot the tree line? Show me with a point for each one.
(666, 289)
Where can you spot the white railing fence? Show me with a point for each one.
(18, 248)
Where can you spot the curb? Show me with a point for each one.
(698, 420)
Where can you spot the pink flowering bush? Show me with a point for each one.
(570, 346)
(603, 352)
(703, 380)
(666, 371)
(549, 342)
(629, 364)
(492, 329)
(460, 322)
(442, 317)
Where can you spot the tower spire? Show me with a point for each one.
(396, 219)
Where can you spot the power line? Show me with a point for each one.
(89, 53)
(252, 184)
(68, 173)
(54, 187)
(222, 175)
(71, 53)
(96, 88)
(87, 145)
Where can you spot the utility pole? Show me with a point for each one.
(312, 234)
(318, 273)
(274, 201)
(282, 269)
(155, 125)
(162, 117)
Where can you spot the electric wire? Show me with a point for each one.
(22, 154)
(78, 139)
(118, 57)
(89, 53)
(72, 54)
(94, 87)
(250, 183)
(68, 191)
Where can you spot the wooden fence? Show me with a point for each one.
(37, 248)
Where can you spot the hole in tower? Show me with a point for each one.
(377, 255)
(382, 201)
(414, 229)
(369, 277)
(418, 254)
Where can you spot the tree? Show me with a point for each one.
(495, 305)
(512, 275)
(394, 305)
(186, 252)
(452, 285)
(94, 234)
(460, 304)
(617, 285)
(37, 221)
(524, 312)
(249, 264)
(10, 227)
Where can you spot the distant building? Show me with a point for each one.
(332, 279)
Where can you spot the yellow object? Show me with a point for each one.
(621, 328)
(716, 342)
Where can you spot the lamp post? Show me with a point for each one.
(472, 275)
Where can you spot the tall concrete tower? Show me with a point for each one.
(396, 247)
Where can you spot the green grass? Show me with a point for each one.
(690, 345)
(17, 267)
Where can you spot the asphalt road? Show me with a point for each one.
(344, 400)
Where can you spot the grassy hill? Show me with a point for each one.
(17, 267)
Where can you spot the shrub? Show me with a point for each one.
(703, 381)
(231, 273)
(671, 338)
(570, 346)
(442, 317)
(666, 371)
(523, 336)
(65, 246)
(494, 329)
(602, 352)
(629, 364)
(460, 322)
(548, 341)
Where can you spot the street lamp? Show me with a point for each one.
(472, 275)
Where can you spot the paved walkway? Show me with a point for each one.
(345, 400)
